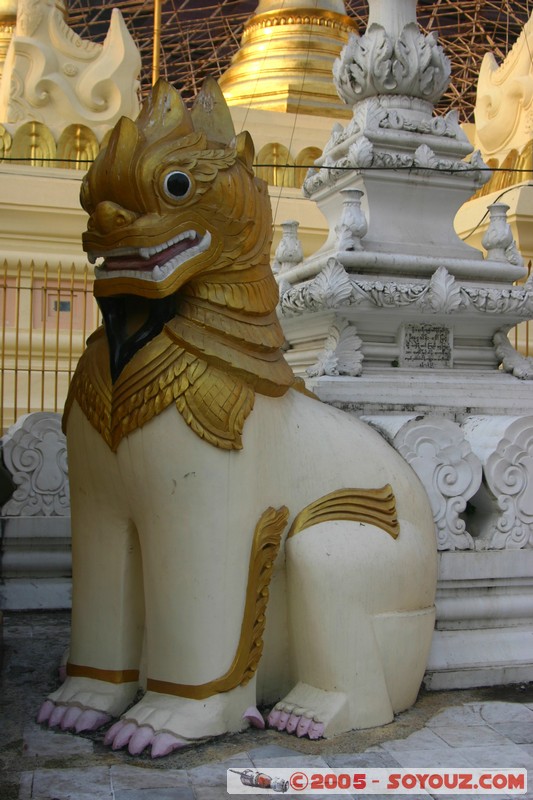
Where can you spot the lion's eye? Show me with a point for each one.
(177, 185)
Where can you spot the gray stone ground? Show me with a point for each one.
(486, 728)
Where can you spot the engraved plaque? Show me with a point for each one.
(425, 346)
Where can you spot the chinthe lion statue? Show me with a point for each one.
(235, 541)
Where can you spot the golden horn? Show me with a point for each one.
(164, 112)
(210, 113)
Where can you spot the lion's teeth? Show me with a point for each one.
(157, 273)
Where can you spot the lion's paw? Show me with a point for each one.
(139, 737)
(71, 717)
(310, 712)
(84, 704)
(165, 723)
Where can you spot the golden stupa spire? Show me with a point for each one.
(286, 58)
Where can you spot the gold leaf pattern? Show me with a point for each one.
(374, 506)
(212, 402)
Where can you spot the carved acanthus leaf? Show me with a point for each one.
(444, 295)
(378, 64)
(369, 115)
(361, 153)
(341, 354)
(483, 173)
(425, 157)
(332, 287)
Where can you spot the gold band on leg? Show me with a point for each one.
(108, 675)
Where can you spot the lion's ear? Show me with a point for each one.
(245, 149)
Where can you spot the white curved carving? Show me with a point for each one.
(505, 448)
(54, 77)
(450, 472)
(505, 96)
(34, 452)
(511, 360)
(331, 288)
(342, 353)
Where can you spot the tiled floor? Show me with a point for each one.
(39, 764)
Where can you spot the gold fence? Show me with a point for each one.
(46, 316)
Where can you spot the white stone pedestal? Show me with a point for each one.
(484, 629)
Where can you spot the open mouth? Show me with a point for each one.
(152, 264)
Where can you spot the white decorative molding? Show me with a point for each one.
(36, 563)
(342, 353)
(484, 631)
(35, 454)
(451, 474)
(362, 153)
(334, 287)
(53, 76)
(381, 63)
(504, 506)
(394, 114)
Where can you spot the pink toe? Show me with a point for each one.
(165, 743)
(273, 717)
(292, 723)
(91, 720)
(124, 735)
(140, 740)
(57, 715)
(45, 711)
(283, 719)
(112, 732)
(303, 726)
(316, 730)
(69, 720)
(254, 717)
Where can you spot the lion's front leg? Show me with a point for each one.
(107, 604)
(206, 593)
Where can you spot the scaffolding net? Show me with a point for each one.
(199, 37)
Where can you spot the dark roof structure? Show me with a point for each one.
(199, 37)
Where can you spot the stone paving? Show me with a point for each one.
(472, 729)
